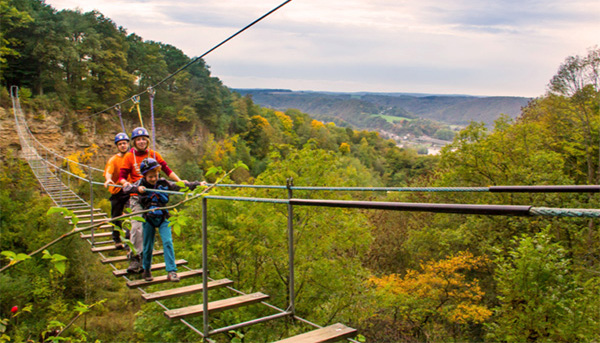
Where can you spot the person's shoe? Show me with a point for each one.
(172, 276)
(147, 275)
(134, 264)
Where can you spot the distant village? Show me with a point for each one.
(424, 145)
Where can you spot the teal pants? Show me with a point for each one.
(149, 232)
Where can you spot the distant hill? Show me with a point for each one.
(352, 107)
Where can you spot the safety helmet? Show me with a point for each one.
(121, 136)
(148, 164)
(139, 132)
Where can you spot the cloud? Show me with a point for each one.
(495, 47)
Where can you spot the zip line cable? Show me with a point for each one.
(186, 65)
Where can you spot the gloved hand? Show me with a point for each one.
(193, 185)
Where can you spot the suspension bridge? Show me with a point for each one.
(54, 175)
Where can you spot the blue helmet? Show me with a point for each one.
(121, 136)
(148, 164)
(139, 132)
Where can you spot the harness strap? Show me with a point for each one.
(136, 104)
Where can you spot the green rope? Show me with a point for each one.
(267, 200)
(565, 212)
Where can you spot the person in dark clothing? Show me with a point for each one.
(157, 219)
(118, 199)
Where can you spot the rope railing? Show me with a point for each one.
(29, 143)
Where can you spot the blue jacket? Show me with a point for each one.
(149, 199)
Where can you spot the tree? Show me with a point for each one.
(576, 73)
(578, 80)
(440, 298)
(12, 20)
(542, 297)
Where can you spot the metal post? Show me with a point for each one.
(292, 304)
(58, 170)
(91, 200)
(205, 265)
(68, 175)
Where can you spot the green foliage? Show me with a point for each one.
(542, 297)
(59, 261)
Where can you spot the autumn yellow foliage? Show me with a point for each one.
(81, 157)
(286, 121)
(344, 148)
(260, 121)
(315, 124)
(441, 290)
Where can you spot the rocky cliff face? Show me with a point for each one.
(46, 128)
(49, 130)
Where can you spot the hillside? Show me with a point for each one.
(449, 109)
(395, 276)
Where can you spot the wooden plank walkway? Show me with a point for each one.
(175, 292)
(216, 306)
(124, 258)
(331, 333)
(121, 272)
(163, 278)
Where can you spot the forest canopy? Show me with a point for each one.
(395, 276)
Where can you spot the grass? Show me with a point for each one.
(391, 119)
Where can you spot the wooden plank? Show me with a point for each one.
(97, 235)
(106, 248)
(88, 210)
(124, 258)
(157, 266)
(103, 242)
(176, 292)
(96, 221)
(216, 306)
(330, 333)
(88, 215)
(163, 278)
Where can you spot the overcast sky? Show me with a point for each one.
(477, 47)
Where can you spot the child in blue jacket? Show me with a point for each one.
(150, 169)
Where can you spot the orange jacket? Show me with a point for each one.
(113, 167)
(130, 169)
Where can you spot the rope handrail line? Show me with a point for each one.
(168, 77)
(505, 210)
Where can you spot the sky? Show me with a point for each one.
(475, 47)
